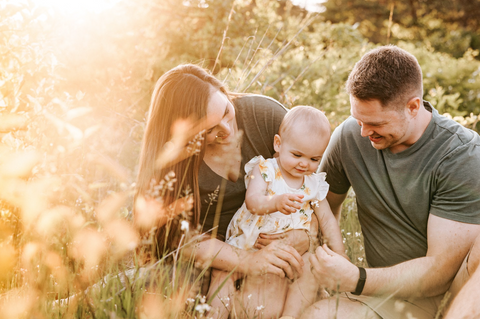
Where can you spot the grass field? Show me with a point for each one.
(73, 270)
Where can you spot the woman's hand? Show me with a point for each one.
(277, 258)
(297, 238)
(288, 203)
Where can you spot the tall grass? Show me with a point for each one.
(68, 245)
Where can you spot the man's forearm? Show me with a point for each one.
(420, 277)
(466, 305)
(335, 201)
(448, 244)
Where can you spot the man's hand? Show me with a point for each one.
(288, 203)
(333, 271)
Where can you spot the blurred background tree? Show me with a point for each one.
(446, 26)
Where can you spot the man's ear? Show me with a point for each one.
(277, 141)
(414, 105)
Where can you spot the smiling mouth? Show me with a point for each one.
(375, 139)
(221, 138)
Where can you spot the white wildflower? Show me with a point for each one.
(399, 306)
(184, 226)
(202, 308)
(194, 146)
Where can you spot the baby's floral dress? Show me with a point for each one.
(244, 228)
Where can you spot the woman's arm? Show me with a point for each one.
(297, 238)
(331, 233)
(259, 203)
(279, 259)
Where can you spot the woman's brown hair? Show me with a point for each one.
(181, 93)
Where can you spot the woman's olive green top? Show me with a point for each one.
(259, 118)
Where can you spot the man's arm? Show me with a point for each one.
(466, 305)
(331, 233)
(335, 201)
(448, 243)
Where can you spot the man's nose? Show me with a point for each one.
(365, 130)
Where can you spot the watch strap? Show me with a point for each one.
(361, 281)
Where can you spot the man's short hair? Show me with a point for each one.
(388, 74)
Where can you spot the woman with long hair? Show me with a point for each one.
(194, 117)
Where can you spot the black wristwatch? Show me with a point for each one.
(361, 281)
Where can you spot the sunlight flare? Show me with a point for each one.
(76, 6)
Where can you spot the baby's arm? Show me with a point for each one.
(259, 203)
(329, 227)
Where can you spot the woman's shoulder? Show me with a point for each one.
(258, 103)
(259, 118)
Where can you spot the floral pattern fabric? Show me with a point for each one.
(245, 227)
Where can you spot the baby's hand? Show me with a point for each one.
(288, 203)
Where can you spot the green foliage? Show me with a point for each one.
(446, 26)
(452, 85)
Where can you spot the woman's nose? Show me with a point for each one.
(224, 128)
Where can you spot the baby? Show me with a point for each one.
(282, 193)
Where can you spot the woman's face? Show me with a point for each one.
(221, 125)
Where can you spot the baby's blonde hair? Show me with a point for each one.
(307, 118)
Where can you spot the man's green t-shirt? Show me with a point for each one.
(439, 175)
